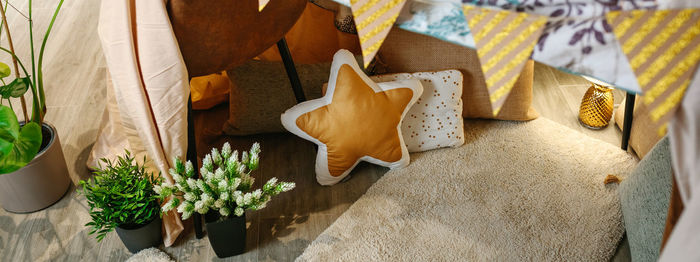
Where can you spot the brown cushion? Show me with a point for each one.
(405, 51)
(643, 135)
(261, 92)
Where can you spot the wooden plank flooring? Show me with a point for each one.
(557, 95)
(75, 78)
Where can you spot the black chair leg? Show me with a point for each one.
(192, 156)
(291, 70)
(627, 125)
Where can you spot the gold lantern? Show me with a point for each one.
(596, 105)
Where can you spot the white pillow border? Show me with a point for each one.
(289, 117)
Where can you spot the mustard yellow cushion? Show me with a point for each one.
(356, 120)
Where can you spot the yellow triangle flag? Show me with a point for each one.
(262, 4)
(663, 50)
(373, 20)
(504, 42)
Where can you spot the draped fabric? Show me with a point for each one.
(684, 135)
(147, 104)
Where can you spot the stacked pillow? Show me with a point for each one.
(435, 121)
(358, 119)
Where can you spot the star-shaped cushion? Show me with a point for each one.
(355, 120)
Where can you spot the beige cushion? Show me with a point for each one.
(405, 51)
(434, 121)
(643, 134)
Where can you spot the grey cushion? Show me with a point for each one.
(645, 196)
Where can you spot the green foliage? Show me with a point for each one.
(4, 70)
(225, 185)
(18, 145)
(16, 88)
(120, 194)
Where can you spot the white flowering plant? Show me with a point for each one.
(225, 185)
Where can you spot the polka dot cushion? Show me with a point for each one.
(435, 121)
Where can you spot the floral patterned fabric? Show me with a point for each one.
(576, 39)
(441, 19)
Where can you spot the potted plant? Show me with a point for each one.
(121, 197)
(33, 171)
(222, 194)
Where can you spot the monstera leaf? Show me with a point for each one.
(18, 145)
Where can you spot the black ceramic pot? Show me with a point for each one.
(227, 237)
(141, 237)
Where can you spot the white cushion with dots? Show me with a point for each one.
(435, 121)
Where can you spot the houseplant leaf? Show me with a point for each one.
(9, 130)
(9, 127)
(5, 91)
(16, 88)
(4, 70)
(5, 147)
(121, 194)
(19, 145)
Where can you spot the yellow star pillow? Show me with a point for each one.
(356, 120)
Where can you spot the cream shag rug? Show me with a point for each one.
(528, 191)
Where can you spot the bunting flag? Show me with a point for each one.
(262, 4)
(663, 49)
(504, 41)
(373, 20)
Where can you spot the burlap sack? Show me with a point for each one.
(405, 52)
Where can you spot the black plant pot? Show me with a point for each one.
(141, 237)
(227, 237)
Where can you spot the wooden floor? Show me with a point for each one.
(557, 96)
(75, 79)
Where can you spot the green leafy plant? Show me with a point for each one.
(21, 154)
(120, 194)
(225, 185)
(18, 145)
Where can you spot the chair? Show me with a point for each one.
(221, 36)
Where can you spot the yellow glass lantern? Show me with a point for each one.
(597, 105)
